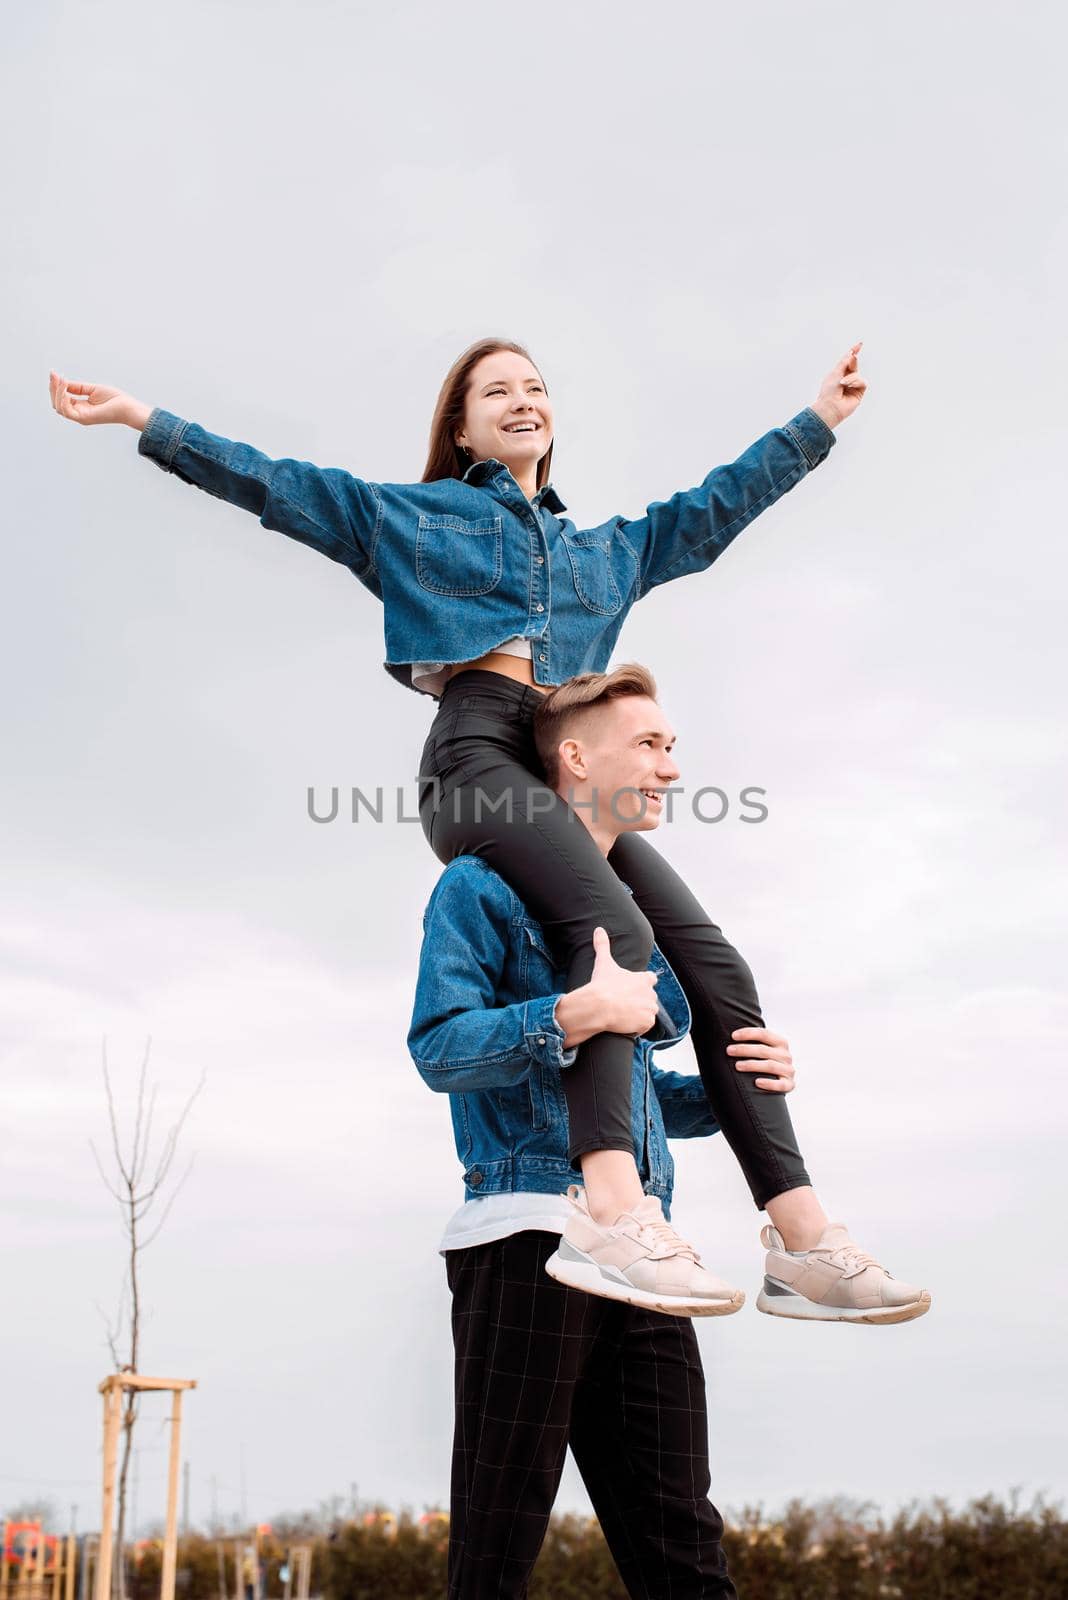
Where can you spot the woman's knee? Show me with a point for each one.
(708, 959)
(633, 945)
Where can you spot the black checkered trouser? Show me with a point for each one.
(538, 1367)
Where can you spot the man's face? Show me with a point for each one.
(625, 749)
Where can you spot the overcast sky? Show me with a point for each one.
(284, 223)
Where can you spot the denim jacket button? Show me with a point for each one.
(541, 1038)
(474, 1179)
(539, 607)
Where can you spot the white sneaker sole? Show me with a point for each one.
(788, 1304)
(588, 1276)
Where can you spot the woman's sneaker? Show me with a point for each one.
(835, 1281)
(638, 1259)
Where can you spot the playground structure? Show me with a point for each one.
(298, 1573)
(44, 1566)
(250, 1570)
(112, 1389)
(35, 1565)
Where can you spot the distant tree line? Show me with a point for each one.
(834, 1551)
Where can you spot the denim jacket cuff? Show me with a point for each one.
(161, 436)
(811, 434)
(544, 1035)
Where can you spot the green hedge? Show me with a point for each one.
(989, 1551)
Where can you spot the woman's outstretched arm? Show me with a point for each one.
(323, 507)
(686, 533)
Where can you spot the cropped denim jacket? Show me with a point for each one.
(483, 1031)
(461, 564)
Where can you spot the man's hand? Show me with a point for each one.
(764, 1052)
(93, 402)
(626, 998)
(614, 1001)
(841, 391)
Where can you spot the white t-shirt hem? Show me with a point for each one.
(431, 677)
(498, 1216)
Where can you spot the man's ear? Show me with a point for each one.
(572, 758)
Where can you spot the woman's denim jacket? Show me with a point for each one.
(483, 1031)
(461, 564)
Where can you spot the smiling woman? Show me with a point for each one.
(493, 403)
(491, 598)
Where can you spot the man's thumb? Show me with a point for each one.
(602, 947)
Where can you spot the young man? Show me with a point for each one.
(540, 1365)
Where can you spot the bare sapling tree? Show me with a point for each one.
(139, 1181)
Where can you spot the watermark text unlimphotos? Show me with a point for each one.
(384, 804)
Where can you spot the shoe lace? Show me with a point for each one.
(851, 1258)
(661, 1240)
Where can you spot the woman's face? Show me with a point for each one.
(507, 414)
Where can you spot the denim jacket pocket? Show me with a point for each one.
(591, 566)
(536, 939)
(539, 976)
(461, 1125)
(539, 1112)
(457, 555)
(537, 967)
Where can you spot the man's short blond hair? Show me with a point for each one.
(564, 710)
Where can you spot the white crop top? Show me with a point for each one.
(430, 675)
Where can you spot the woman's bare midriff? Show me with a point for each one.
(516, 667)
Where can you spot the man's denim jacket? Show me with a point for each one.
(483, 1031)
(461, 564)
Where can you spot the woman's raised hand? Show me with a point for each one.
(93, 402)
(841, 391)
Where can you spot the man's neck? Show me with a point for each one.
(597, 818)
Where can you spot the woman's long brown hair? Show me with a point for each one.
(446, 458)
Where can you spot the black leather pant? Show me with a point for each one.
(480, 749)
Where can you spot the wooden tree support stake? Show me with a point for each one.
(112, 1389)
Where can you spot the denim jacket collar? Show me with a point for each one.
(489, 467)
